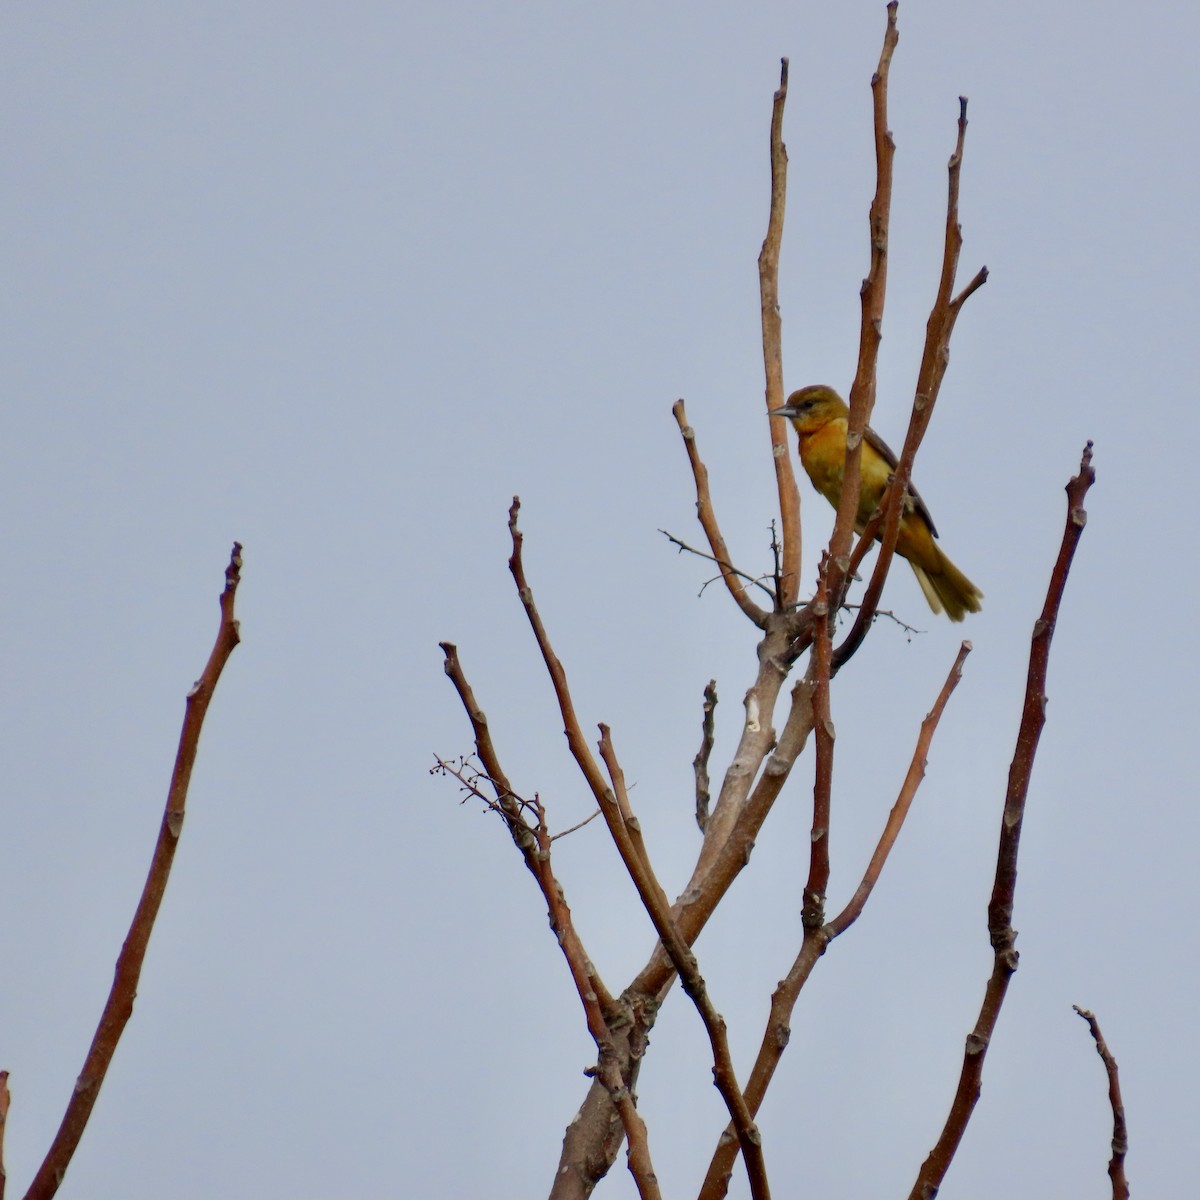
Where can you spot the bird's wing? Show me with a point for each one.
(885, 452)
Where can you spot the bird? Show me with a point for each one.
(819, 416)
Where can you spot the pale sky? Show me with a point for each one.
(338, 282)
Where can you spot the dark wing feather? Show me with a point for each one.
(885, 451)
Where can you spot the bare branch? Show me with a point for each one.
(1003, 936)
(934, 361)
(119, 1006)
(700, 762)
(772, 338)
(591, 1142)
(746, 797)
(708, 521)
(890, 614)
(600, 1009)
(816, 941)
(558, 676)
(730, 852)
(978, 280)
(627, 835)
(1120, 1137)
(609, 1067)
(534, 844)
(908, 791)
(872, 295)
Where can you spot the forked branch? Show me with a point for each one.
(626, 833)
(934, 361)
(683, 547)
(600, 1008)
(816, 941)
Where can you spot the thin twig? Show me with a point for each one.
(1120, 1137)
(816, 941)
(758, 769)
(700, 762)
(1003, 936)
(750, 579)
(934, 361)
(578, 825)
(119, 1006)
(506, 804)
(708, 521)
(772, 341)
(912, 630)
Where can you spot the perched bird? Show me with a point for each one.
(819, 415)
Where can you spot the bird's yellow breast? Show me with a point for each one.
(823, 453)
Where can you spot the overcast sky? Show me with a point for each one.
(338, 281)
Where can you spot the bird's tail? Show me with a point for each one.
(947, 589)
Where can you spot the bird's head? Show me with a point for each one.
(812, 407)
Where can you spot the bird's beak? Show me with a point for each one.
(785, 410)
